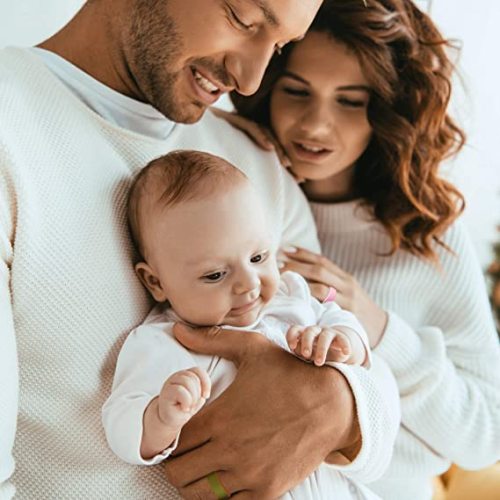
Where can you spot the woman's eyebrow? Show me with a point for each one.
(294, 76)
(363, 88)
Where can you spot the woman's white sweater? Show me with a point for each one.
(440, 343)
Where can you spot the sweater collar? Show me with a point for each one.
(346, 217)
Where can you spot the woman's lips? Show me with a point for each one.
(310, 152)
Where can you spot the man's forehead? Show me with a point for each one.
(269, 12)
(289, 14)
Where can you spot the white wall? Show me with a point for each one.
(476, 102)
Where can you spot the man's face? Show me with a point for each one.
(184, 54)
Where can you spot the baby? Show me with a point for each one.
(207, 258)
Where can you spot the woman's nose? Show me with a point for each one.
(317, 121)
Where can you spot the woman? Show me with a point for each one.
(359, 107)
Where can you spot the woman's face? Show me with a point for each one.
(319, 113)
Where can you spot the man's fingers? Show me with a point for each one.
(204, 487)
(196, 432)
(228, 344)
(190, 467)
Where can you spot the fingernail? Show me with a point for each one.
(281, 265)
(290, 249)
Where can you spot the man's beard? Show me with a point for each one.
(153, 45)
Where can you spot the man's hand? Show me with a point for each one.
(270, 429)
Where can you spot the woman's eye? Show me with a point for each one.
(214, 277)
(295, 92)
(351, 103)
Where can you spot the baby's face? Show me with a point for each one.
(214, 259)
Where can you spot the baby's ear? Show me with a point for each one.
(150, 281)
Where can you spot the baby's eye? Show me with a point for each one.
(257, 259)
(214, 277)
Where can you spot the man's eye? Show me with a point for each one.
(214, 277)
(239, 21)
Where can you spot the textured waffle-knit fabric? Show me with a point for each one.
(440, 344)
(67, 285)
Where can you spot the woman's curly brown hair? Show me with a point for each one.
(404, 58)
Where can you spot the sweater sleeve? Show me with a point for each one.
(9, 377)
(447, 371)
(375, 392)
(378, 411)
(148, 357)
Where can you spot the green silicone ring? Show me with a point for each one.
(216, 487)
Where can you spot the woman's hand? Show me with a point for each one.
(322, 273)
(263, 137)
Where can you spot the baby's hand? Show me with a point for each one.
(183, 394)
(319, 344)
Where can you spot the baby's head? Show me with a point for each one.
(204, 240)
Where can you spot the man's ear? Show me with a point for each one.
(150, 281)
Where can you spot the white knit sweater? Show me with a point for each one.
(440, 344)
(68, 292)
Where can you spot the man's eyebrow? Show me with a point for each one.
(269, 14)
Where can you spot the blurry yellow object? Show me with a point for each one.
(458, 484)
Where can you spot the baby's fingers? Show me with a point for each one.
(307, 340)
(293, 335)
(340, 348)
(323, 343)
(204, 380)
(179, 395)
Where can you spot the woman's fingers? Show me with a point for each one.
(257, 133)
(314, 273)
(306, 256)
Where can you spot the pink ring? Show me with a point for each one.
(330, 296)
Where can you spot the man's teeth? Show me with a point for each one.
(311, 148)
(205, 84)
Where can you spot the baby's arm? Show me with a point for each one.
(320, 344)
(183, 394)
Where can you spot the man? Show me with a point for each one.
(79, 115)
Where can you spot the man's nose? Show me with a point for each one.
(247, 67)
